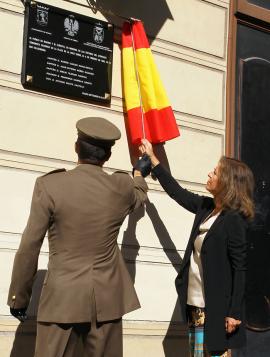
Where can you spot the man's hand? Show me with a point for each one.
(231, 324)
(143, 165)
(20, 314)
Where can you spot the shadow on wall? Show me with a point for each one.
(130, 244)
(139, 9)
(25, 336)
(175, 342)
(176, 339)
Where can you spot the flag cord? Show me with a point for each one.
(138, 81)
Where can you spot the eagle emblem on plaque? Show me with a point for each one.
(98, 34)
(71, 25)
(42, 17)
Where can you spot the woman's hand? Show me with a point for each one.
(231, 324)
(146, 148)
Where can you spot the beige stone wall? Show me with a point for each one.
(190, 49)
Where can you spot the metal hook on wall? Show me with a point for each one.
(95, 8)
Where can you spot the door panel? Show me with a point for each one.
(253, 147)
(261, 3)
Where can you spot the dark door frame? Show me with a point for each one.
(241, 11)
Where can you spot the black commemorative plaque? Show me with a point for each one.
(67, 54)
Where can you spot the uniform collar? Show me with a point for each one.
(88, 167)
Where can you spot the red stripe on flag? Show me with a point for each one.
(126, 35)
(160, 125)
(139, 36)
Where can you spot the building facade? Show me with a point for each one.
(189, 41)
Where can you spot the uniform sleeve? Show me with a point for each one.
(183, 197)
(140, 192)
(133, 190)
(237, 249)
(26, 258)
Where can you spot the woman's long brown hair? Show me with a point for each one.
(235, 186)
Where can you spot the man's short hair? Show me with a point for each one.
(92, 154)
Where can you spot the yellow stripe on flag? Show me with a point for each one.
(131, 88)
(152, 90)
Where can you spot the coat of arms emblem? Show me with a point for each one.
(71, 25)
(98, 34)
(42, 17)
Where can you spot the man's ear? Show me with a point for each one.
(108, 156)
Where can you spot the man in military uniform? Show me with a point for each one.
(87, 288)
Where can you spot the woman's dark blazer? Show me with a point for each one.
(223, 256)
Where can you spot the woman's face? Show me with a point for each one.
(212, 182)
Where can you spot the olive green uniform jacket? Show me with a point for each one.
(82, 210)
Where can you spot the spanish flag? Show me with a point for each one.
(149, 113)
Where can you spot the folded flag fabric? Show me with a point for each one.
(159, 124)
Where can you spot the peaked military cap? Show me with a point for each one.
(98, 131)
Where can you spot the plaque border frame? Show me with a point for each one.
(26, 83)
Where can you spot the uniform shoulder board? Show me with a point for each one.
(55, 171)
(121, 172)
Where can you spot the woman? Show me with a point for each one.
(211, 282)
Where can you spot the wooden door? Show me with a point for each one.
(250, 141)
